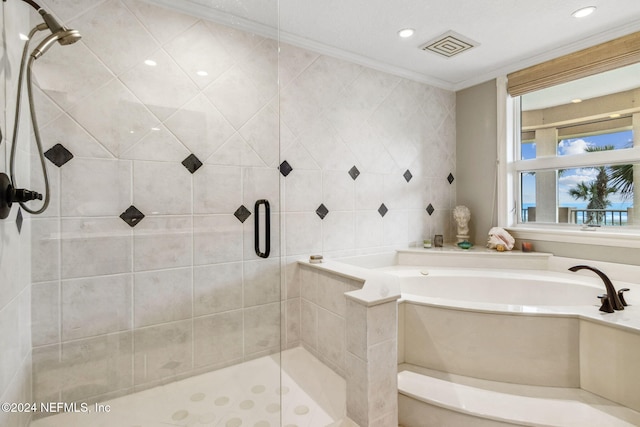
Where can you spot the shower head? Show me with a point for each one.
(59, 33)
(64, 37)
(68, 36)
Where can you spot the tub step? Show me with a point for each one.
(507, 403)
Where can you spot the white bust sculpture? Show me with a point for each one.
(462, 215)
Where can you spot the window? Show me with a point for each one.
(577, 153)
(565, 126)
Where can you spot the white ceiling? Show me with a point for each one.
(512, 34)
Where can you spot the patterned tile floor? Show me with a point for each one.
(245, 395)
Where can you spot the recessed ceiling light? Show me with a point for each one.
(202, 73)
(576, 101)
(406, 32)
(585, 11)
(150, 62)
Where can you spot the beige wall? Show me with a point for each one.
(476, 147)
(476, 153)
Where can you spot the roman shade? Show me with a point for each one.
(603, 57)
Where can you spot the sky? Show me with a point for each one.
(571, 177)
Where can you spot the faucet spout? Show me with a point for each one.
(611, 290)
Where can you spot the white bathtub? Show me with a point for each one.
(511, 317)
(510, 290)
(535, 327)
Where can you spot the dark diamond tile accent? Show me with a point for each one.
(192, 163)
(407, 175)
(354, 172)
(285, 168)
(450, 179)
(19, 220)
(58, 155)
(430, 209)
(132, 216)
(322, 211)
(382, 210)
(242, 213)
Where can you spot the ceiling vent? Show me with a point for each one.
(449, 44)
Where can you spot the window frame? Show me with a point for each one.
(510, 165)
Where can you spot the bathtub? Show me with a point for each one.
(513, 288)
(518, 318)
(532, 327)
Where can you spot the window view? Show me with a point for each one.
(598, 195)
(578, 155)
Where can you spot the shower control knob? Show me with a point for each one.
(24, 195)
(9, 195)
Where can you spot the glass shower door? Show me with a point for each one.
(149, 294)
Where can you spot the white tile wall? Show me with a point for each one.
(323, 316)
(190, 265)
(15, 246)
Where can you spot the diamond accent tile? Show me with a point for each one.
(285, 168)
(407, 175)
(192, 163)
(132, 216)
(382, 210)
(322, 211)
(430, 209)
(19, 220)
(242, 214)
(58, 155)
(450, 178)
(354, 172)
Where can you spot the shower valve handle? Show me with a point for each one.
(23, 195)
(9, 195)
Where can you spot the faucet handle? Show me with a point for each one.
(606, 303)
(621, 297)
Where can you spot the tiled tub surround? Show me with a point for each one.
(563, 346)
(15, 231)
(177, 290)
(361, 346)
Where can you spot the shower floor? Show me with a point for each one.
(244, 395)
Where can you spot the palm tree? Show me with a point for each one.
(621, 177)
(597, 191)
